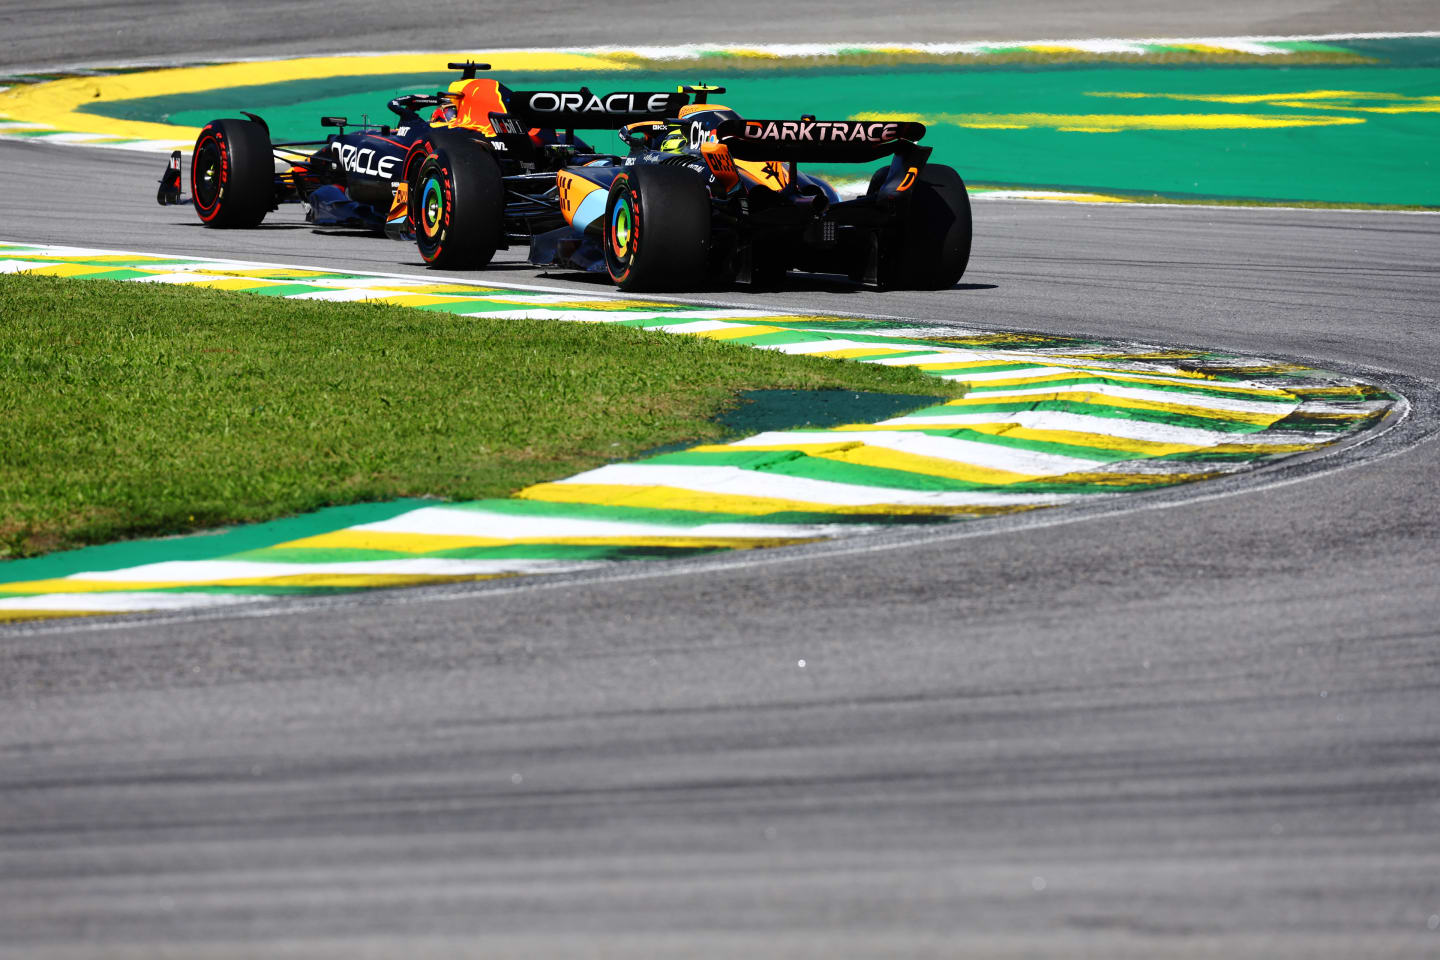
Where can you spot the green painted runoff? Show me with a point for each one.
(1361, 134)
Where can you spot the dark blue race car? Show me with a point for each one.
(369, 176)
(705, 196)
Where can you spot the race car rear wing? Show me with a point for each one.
(586, 110)
(808, 140)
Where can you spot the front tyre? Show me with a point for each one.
(232, 174)
(657, 229)
(457, 206)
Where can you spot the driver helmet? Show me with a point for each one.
(675, 142)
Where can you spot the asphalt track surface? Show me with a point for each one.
(1206, 729)
(93, 31)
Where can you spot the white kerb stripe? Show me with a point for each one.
(1221, 388)
(123, 602)
(700, 326)
(1277, 407)
(25, 266)
(207, 571)
(1100, 427)
(977, 453)
(344, 296)
(840, 343)
(505, 526)
(735, 481)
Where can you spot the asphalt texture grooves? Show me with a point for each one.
(1205, 730)
(89, 31)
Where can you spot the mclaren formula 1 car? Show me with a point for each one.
(705, 195)
(420, 171)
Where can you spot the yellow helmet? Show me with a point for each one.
(674, 142)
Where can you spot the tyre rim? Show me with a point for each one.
(432, 206)
(207, 180)
(621, 221)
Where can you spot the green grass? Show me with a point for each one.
(136, 410)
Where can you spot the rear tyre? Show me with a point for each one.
(457, 206)
(232, 174)
(934, 233)
(657, 229)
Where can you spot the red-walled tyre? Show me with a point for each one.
(232, 174)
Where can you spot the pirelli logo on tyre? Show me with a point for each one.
(209, 173)
(447, 212)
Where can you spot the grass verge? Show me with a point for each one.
(139, 410)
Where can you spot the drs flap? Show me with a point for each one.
(594, 111)
(818, 141)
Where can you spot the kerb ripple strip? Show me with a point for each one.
(1045, 422)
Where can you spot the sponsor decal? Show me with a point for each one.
(564, 182)
(364, 160)
(504, 124)
(720, 161)
(700, 136)
(822, 131)
(583, 101)
(722, 167)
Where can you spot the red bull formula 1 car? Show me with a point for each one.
(373, 176)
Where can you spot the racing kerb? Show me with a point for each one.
(1046, 423)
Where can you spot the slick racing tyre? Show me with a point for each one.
(232, 174)
(657, 229)
(415, 158)
(457, 206)
(936, 236)
(932, 244)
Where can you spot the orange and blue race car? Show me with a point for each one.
(495, 150)
(706, 196)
